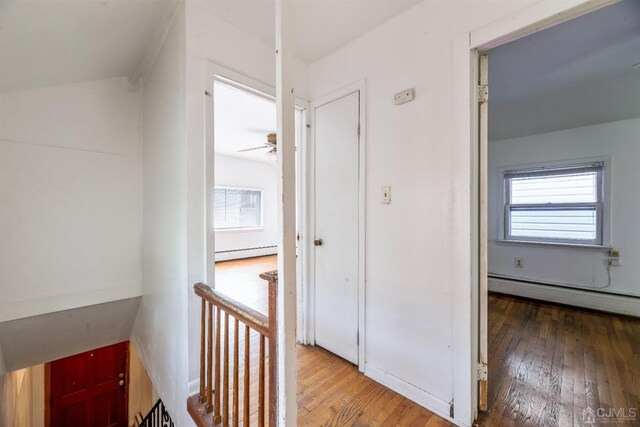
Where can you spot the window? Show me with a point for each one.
(237, 208)
(560, 204)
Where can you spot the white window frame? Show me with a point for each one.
(602, 205)
(247, 228)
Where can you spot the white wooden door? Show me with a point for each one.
(336, 225)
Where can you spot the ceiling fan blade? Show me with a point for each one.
(253, 148)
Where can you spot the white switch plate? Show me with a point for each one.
(405, 96)
(386, 195)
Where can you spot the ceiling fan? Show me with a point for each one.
(270, 145)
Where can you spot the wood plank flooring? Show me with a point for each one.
(548, 363)
(331, 391)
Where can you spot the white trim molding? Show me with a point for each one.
(361, 87)
(466, 48)
(411, 392)
(216, 72)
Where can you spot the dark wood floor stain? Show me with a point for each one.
(549, 363)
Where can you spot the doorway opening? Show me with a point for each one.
(243, 202)
(558, 113)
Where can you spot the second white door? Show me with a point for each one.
(336, 225)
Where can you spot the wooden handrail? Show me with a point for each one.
(218, 403)
(247, 315)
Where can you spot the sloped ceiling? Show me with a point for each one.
(574, 74)
(51, 42)
(321, 26)
(39, 339)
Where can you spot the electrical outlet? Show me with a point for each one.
(614, 253)
(519, 262)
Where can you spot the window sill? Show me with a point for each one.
(604, 248)
(236, 230)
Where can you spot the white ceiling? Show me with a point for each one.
(49, 42)
(321, 26)
(242, 120)
(574, 74)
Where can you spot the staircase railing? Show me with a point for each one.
(157, 417)
(223, 400)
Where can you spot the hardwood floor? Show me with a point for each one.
(331, 391)
(547, 363)
(239, 280)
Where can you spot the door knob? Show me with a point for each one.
(317, 242)
(121, 382)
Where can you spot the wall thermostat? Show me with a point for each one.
(405, 96)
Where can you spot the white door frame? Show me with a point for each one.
(214, 71)
(466, 51)
(310, 294)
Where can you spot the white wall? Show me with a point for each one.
(71, 196)
(209, 39)
(238, 172)
(417, 260)
(174, 191)
(414, 253)
(587, 268)
(160, 331)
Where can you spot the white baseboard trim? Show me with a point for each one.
(245, 253)
(411, 392)
(619, 304)
(194, 387)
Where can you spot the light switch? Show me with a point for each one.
(386, 195)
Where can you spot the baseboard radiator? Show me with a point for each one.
(595, 300)
(231, 254)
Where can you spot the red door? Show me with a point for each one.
(90, 389)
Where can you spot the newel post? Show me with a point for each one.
(272, 280)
